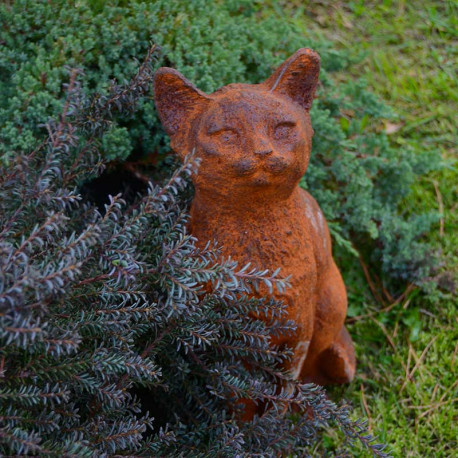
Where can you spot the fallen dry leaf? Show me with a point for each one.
(391, 128)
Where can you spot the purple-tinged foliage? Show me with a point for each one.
(99, 306)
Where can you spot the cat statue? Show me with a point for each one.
(254, 141)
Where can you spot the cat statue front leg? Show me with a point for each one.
(330, 353)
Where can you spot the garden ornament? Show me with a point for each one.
(254, 141)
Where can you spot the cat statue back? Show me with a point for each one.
(254, 141)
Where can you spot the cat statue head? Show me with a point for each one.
(254, 140)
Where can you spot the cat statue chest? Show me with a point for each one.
(254, 141)
(258, 234)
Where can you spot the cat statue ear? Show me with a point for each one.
(177, 99)
(297, 77)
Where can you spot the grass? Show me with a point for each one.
(406, 383)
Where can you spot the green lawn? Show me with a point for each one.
(407, 346)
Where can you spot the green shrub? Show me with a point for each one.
(357, 177)
(93, 304)
(40, 39)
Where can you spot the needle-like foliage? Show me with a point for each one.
(105, 314)
(358, 178)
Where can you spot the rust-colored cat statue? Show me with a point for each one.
(254, 141)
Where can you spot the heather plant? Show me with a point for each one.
(358, 178)
(96, 304)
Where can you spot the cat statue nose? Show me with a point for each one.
(262, 146)
(263, 152)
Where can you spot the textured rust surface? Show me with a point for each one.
(255, 142)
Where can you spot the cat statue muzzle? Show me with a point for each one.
(254, 141)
